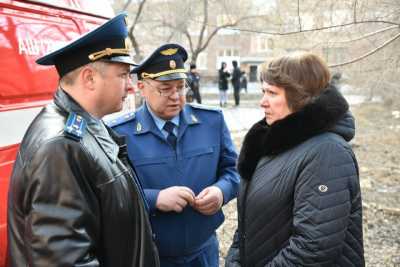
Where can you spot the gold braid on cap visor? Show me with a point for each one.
(146, 75)
(108, 52)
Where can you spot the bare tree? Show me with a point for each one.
(137, 9)
(380, 16)
(198, 22)
(358, 37)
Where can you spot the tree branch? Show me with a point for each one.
(355, 11)
(138, 13)
(189, 37)
(367, 54)
(204, 24)
(214, 32)
(358, 38)
(132, 28)
(316, 29)
(126, 5)
(298, 14)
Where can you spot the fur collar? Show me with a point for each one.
(316, 117)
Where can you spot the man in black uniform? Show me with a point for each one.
(236, 74)
(193, 79)
(73, 199)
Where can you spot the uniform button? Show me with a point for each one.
(154, 236)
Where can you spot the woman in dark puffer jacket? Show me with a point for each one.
(299, 203)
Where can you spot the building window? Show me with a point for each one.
(228, 52)
(227, 55)
(271, 44)
(264, 44)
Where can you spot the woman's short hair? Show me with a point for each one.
(303, 75)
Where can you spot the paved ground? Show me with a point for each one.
(240, 119)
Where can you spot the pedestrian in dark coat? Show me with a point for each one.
(193, 81)
(236, 75)
(299, 202)
(243, 81)
(223, 76)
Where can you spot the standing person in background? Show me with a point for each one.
(223, 76)
(236, 74)
(73, 199)
(193, 81)
(299, 202)
(185, 160)
(243, 81)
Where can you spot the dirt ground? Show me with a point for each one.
(377, 147)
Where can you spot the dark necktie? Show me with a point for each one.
(171, 138)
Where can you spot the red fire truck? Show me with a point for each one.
(28, 30)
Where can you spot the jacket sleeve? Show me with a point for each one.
(62, 214)
(151, 198)
(229, 179)
(236, 76)
(322, 207)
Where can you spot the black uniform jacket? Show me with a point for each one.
(299, 202)
(72, 200)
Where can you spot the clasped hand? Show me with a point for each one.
(175, 198)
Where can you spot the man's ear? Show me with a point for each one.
(140, 87)
(88, 76)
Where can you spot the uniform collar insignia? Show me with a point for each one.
(194, 118)
(138, 127)
(75, 126)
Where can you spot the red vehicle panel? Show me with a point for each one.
(28, 30)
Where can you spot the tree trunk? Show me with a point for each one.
(138, 56)
(194, 57)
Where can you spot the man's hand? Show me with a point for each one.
(174, 198)
(209, 201)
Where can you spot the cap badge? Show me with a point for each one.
(138, 127)
(172, 64)
(169, 51)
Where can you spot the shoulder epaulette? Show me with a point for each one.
(121, 119)
(75, 126)
(204, 107)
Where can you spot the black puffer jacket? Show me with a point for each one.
(73, 201)
(299, 202)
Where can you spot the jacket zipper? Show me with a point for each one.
(242, 229)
